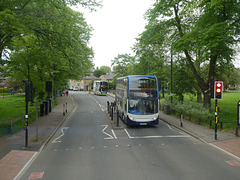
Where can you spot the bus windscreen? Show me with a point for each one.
(142, 88)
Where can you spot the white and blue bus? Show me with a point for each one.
(100, 87)
(137, 99)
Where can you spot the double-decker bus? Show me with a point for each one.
(100, 87)
(137, 99)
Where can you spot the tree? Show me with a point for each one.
(98, 72)
(105, 69)
(102, 71)
(47, 39)
(122, 63)
(17, 17)
(204, 31)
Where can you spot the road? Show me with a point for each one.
(86, 147)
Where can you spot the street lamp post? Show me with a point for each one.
(171, 92)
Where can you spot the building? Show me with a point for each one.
(87, 82)
(82, 85)
(107, 77)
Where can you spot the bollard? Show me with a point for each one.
(108, 106)
(181, 120)
(10, 127)
(117, 118)
(64, 109)
(112, 112)
(221, 125)
(50, 105)
(114, 105)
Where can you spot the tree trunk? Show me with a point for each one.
(203, 85)
(199, 96)
(207, 100)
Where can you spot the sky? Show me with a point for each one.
(116, 26)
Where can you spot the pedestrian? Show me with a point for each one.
(67, 92)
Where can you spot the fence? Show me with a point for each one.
(18, 124)
(198, 120)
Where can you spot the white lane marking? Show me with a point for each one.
(148, 137)
(55, 140)
(114, 134)
(109, 136)
(98, 103)
(170, 127)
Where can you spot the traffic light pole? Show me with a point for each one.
(26, 114)
(216, 119)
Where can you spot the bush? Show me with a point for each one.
(189, 108)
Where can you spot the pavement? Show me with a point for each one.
(14, 157)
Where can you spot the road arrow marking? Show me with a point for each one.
(109, 136)
(56, 140)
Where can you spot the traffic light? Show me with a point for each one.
(49, 86)
(218, 89)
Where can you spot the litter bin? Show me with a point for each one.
(166, 109)
(42, 109)
(50, 105)
(46, 107)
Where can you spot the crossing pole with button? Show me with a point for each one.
(216, 119)
(29, 96)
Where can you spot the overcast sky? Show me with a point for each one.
(116, 26)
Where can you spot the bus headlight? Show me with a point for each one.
(131, 118)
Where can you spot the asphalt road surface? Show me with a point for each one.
(86, 147)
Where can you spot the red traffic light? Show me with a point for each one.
(218, 89)
(219, 85)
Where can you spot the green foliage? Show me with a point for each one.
(47, 39)
(201, 33)
(12, 107)
(106, 69)
(227, 113)
(193, 109)
(123, 63)
(111, 85)
(102, 71)
(98, 72)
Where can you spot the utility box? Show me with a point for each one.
(166, 109)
